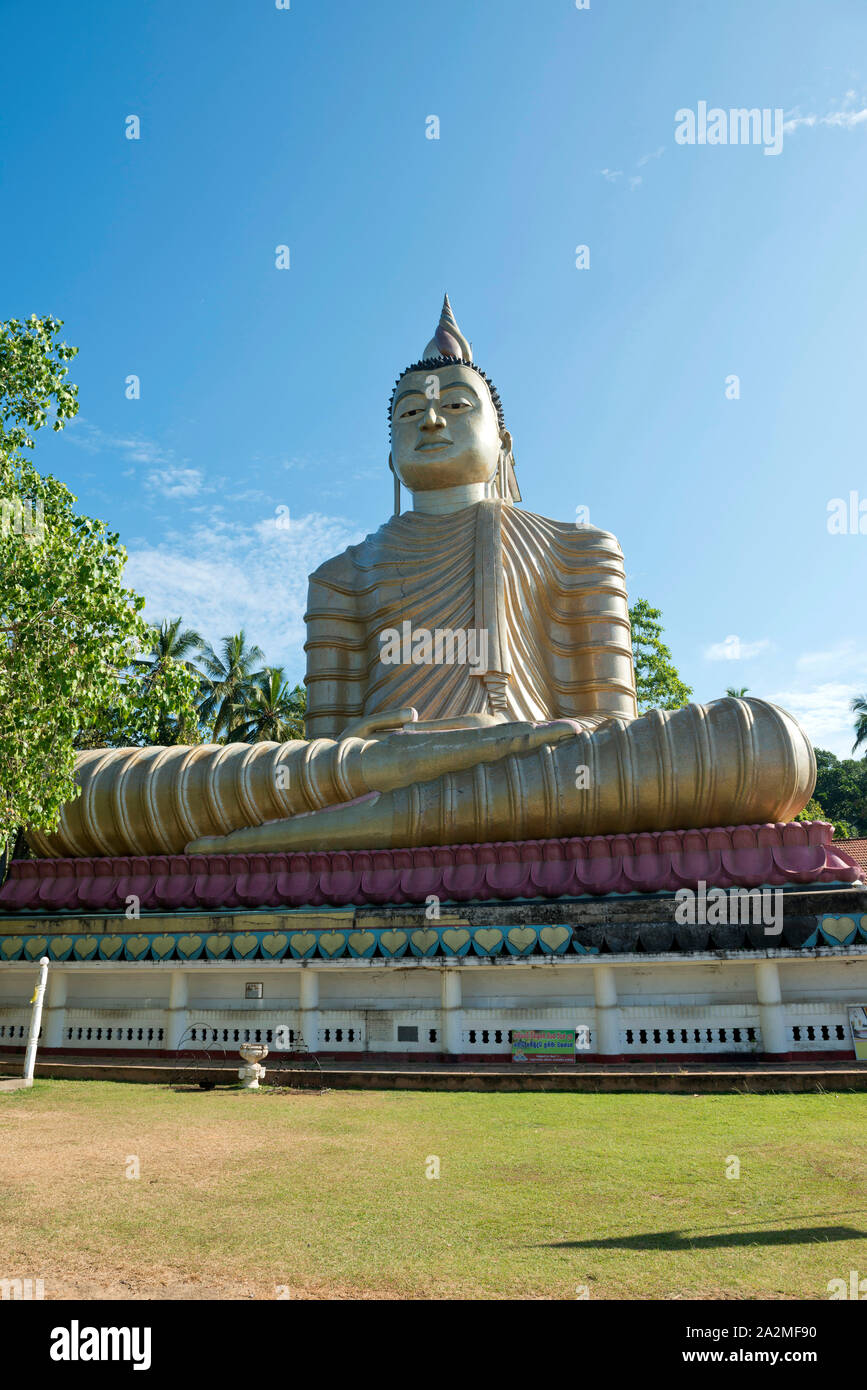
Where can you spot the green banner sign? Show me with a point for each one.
(543, 1045)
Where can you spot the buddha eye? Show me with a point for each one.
(405, 414)
(457, 405)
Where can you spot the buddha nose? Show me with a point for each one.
(431, 420)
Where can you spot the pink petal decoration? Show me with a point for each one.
(646, 862)
(749, 868)
(509, 880)
(555, 878)
(465, 881)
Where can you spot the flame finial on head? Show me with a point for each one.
(448, 341)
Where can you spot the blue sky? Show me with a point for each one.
(264, 389)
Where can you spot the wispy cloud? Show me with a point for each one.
(735, 649)
(845, 656)
(633, 181)
(823, 704)
(220, 576)
(175, 481)
(166, 474)
(825, 712)
(134, 448)
(852, 112)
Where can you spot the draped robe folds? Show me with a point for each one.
(548, 597)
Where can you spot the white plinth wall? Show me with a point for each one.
(771, 1003)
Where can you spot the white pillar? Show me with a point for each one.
(771, 1015)
(607, 1012)
(35, 1022)
(452, 1014)
(177, 1011)
(309, 1008)
(55, 1008)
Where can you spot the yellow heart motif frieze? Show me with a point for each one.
(188, 945)
(10, 945)
(522, 937)
(217, 945)
(35, 946)
(489, 938)
(162, 946)
(424, 940)
(245, 943)
(110, 945)
(60, 945)
(554, 937)
(85, 947)
(362, 941)
(137, 945)
(331, 941)
(274, 942)
(392, 941)
(838, 927)
(300, 942)
(455, 939)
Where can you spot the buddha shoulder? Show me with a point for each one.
(341, 571)
(400, 536)
(569, 534)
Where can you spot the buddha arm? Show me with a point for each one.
(587, 598)
(158, 800)
(733, 761)
(336, 650)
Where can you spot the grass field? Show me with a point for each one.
(318, 1196)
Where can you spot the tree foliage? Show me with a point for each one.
(840, 795)
(228, 676)
(160, 690)
(657, 682)
(68, 628)
(267, 709)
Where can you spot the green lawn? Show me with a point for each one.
(326, 1195)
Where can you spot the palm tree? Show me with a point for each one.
(859, 709)
(267, 710)
(737, 693)
(170, 643)
(226, 678)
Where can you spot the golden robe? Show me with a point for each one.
(551, 598)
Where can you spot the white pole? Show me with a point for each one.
(35, 1022)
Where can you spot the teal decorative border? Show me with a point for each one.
(359, 943)
(425, 942)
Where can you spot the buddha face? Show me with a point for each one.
(449, 439)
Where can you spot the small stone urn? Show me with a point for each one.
(252, 1054)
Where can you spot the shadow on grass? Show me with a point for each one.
(677, 1240)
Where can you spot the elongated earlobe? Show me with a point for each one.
(396, 486)
(507, 483)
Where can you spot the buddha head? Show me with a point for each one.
(447, 426)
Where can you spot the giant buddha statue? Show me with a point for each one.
(469, 678)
